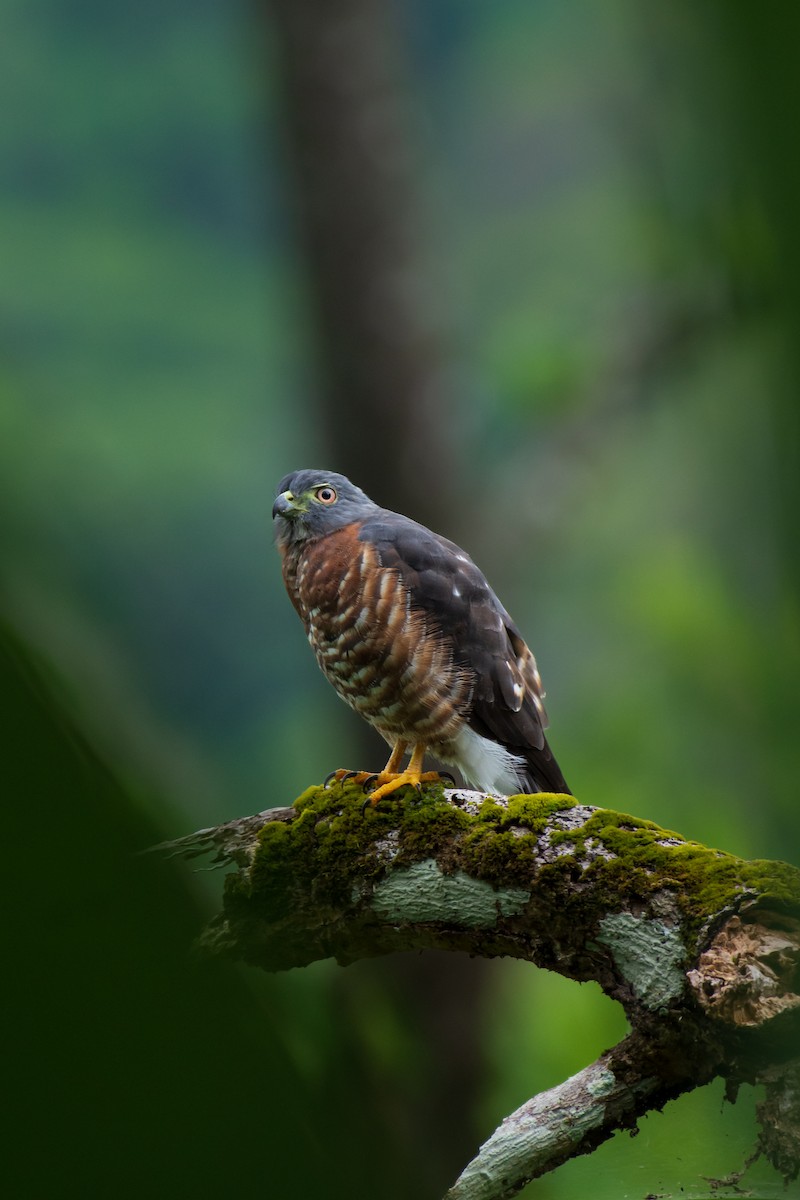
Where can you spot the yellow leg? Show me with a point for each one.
(361, 777)
(395, 758)
(389, 780)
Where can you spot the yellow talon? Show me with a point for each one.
(390, 779)
(407, 778)
(345, 776)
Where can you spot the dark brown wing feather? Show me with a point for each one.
(449, 589)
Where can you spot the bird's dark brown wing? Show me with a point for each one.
(456, 600)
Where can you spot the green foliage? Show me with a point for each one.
(617, 211)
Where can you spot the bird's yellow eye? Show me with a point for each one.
(326, 495)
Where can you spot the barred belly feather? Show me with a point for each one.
(379, 654)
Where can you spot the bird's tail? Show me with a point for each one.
(542, 773)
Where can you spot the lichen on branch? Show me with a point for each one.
(592, 893)
(700, 947)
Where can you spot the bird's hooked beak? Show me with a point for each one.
(284, 505)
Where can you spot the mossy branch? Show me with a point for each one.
(701, 948)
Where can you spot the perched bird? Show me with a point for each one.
(412, 637)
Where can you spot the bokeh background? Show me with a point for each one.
(526, 271)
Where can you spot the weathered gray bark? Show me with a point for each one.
(702, 949)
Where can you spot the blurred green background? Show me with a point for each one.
(607, 197)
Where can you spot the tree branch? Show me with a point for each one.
(565, 1121)
(701, 948)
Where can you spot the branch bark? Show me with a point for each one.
(701, 948)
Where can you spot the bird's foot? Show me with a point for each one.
(388, 783)
(361, 778)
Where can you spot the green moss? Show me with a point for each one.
(434, 829)
(318, 852)
(529, 812)
(703, 881)
(335, 840)
(499, 856)
(494, 849)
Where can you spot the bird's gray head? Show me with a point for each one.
(311, 503)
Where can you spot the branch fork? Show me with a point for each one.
(701, 948)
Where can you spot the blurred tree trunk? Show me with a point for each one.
(763, 53)
(384, 406)
(382, 360)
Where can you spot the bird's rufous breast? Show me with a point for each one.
(381, 656)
